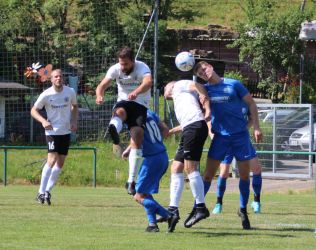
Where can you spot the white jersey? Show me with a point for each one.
(58, 108)
(186, 103)
(128, 83)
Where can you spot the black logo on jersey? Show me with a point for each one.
(66, 99)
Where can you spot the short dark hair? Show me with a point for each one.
(198, 66)
(126, 52)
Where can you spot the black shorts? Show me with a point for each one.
(136, 113)
(192, 141)
(58, 143)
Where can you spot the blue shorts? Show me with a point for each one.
(150, 173)
(228, 158)
(238, 146)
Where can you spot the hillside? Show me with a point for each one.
(224, 12)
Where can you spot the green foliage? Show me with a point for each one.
(236, 75)
(269, 41)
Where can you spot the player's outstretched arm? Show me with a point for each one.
(104, 84)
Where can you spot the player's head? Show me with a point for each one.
(168, 90)
(56, 78)
(204, 70)
(126, 60)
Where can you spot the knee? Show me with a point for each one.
(121, 113)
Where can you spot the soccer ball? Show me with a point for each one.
(185, 61)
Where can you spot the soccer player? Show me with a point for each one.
(60, 103)
(134, 82)
(229, 126)
(194, 133)
(256, 169)
(153, 167)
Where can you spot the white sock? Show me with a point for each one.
(44, 179)
(53, 178)
(117, 122)
(197, 187)
(135, 159)
(176, 189)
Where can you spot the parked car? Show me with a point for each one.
(268, 114)
(300, 139)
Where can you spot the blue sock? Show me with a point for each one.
(257, 184)
(150, 208)
(161, 210)
(207, 186)
(244, 192)
(221, 187)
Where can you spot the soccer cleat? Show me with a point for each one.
(113, 134)
(130, 187)
(242, 213)
(165, 219)
(217, 209)
(47, 198)
(190, 215)
(200, 213)
(256, 207)
(152, 229)
(173, 220)
(40, 198)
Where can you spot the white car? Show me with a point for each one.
(299, 139)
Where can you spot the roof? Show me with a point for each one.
(13, 85)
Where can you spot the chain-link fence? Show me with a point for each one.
(80, 37)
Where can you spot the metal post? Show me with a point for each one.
(301, 75)
(156, 94)
(94, 167)
(274, 157)
(5, 167)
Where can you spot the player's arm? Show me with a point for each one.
(253, 117)
(145, 86)
(199, 88)
(126, 152)
(175, 130)
(38, 117)
(103, 85)
(164, 129)
(74, 118)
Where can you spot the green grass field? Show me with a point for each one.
(107, 218)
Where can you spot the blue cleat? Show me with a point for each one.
(217, 209)
(256, 207)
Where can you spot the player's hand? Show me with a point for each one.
(203, 99)
(257, 135)
(125, 153)
(46, 125)
(99, 100)
(73, 127)
(132, 96)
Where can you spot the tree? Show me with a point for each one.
(269, 41)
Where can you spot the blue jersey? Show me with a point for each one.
(228, 110)
(152, 143)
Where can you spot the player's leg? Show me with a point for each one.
(136, 122)
(116, 123)
(244, 183)
(46, 172)
(194, 136)
(47, 169)
(221, 186)
(62, 143)
(151, 171)
(243, 151)
(256, 184)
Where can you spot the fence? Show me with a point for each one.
(7, 148)
(80, 37)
